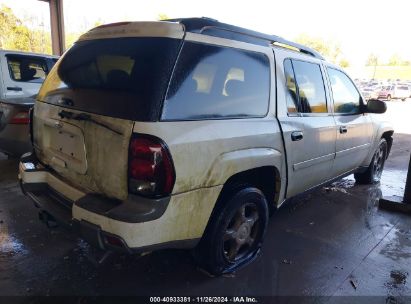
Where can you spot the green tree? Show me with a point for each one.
(344, 63)
(372, 60)
(329, 49)
(395, 60)
(15, 34)
(162, 16)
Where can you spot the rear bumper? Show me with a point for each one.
(56, 209)
(15, 139)
(104, 223)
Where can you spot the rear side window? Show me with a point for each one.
(120, 77)
(345, 95)
(27, 69)
(310, 85)
(212, 82)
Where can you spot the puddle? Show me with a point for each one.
(341, 186)
(9, 245)
(399, 247)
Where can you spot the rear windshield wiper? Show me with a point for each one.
(85, 117)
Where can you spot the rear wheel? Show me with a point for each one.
(374, 171)
(235, 233)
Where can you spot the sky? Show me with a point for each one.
(360, 27)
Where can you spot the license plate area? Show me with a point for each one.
(65, 146)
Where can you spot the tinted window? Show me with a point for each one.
(310, 87)
(120, 77)
(213, 82)
(345, 95)
(27, 69)
(291, 94)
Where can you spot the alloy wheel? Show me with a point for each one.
(241, 232)
(378, 165)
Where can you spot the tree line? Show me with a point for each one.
(30, 35)
(24, 35)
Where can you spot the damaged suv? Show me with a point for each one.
(187, 133)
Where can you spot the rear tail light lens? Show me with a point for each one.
(21, 118)
(151, 170)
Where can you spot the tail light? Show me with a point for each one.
(151, 170)
(21, 118)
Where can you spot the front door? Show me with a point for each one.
(354, 129)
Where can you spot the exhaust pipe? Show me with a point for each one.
(47, 219)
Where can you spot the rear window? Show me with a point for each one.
(212, 82)
(125, 78)
(27, 68)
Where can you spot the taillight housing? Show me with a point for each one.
(21, 118)
(150, 168)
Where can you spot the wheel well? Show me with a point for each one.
(388, 137)
(267, 179)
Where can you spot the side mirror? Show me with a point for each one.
(376, 106)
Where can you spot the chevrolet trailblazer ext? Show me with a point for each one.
(186, 133)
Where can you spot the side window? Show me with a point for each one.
(310, 85)
(345, 95)
(27, 69)
(214, 82)
(291, 94)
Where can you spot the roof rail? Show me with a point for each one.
(215, 28)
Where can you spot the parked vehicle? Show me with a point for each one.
(21, 75)
(186, 133)
(369, 93)
(397, 91)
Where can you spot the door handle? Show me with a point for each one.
(343, 129)
(297, 135)
(14, 89)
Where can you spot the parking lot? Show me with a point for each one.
(334, 241)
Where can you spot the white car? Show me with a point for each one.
(185, 134)
(21, 76)
(397, 91)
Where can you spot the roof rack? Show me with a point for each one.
(215, 28)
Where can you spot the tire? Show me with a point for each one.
(235, 233)
(374, 171)
(389, 97)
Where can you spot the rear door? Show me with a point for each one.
(308, 127)
(354, 129)
(85, 111)
(23, 75)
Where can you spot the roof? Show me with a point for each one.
(215, 28)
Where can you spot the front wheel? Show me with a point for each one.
(235, 233)
(374, 171)
(389, 97)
